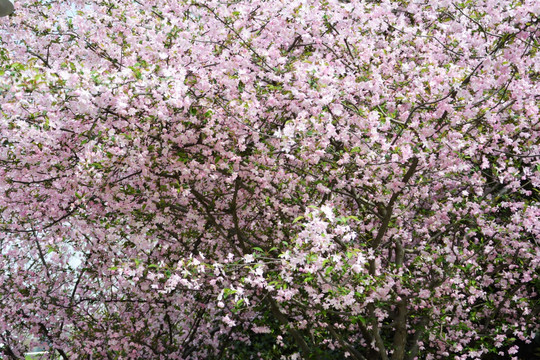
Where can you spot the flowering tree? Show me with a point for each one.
(266, 179)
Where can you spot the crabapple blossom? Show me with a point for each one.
(185, 179)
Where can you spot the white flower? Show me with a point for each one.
(227, 320)
(357, 268)
(327, 210)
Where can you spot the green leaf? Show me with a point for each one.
(97, 165)
(297, 219)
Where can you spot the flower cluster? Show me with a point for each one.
(185, 179)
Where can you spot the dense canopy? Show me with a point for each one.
(266, 179)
